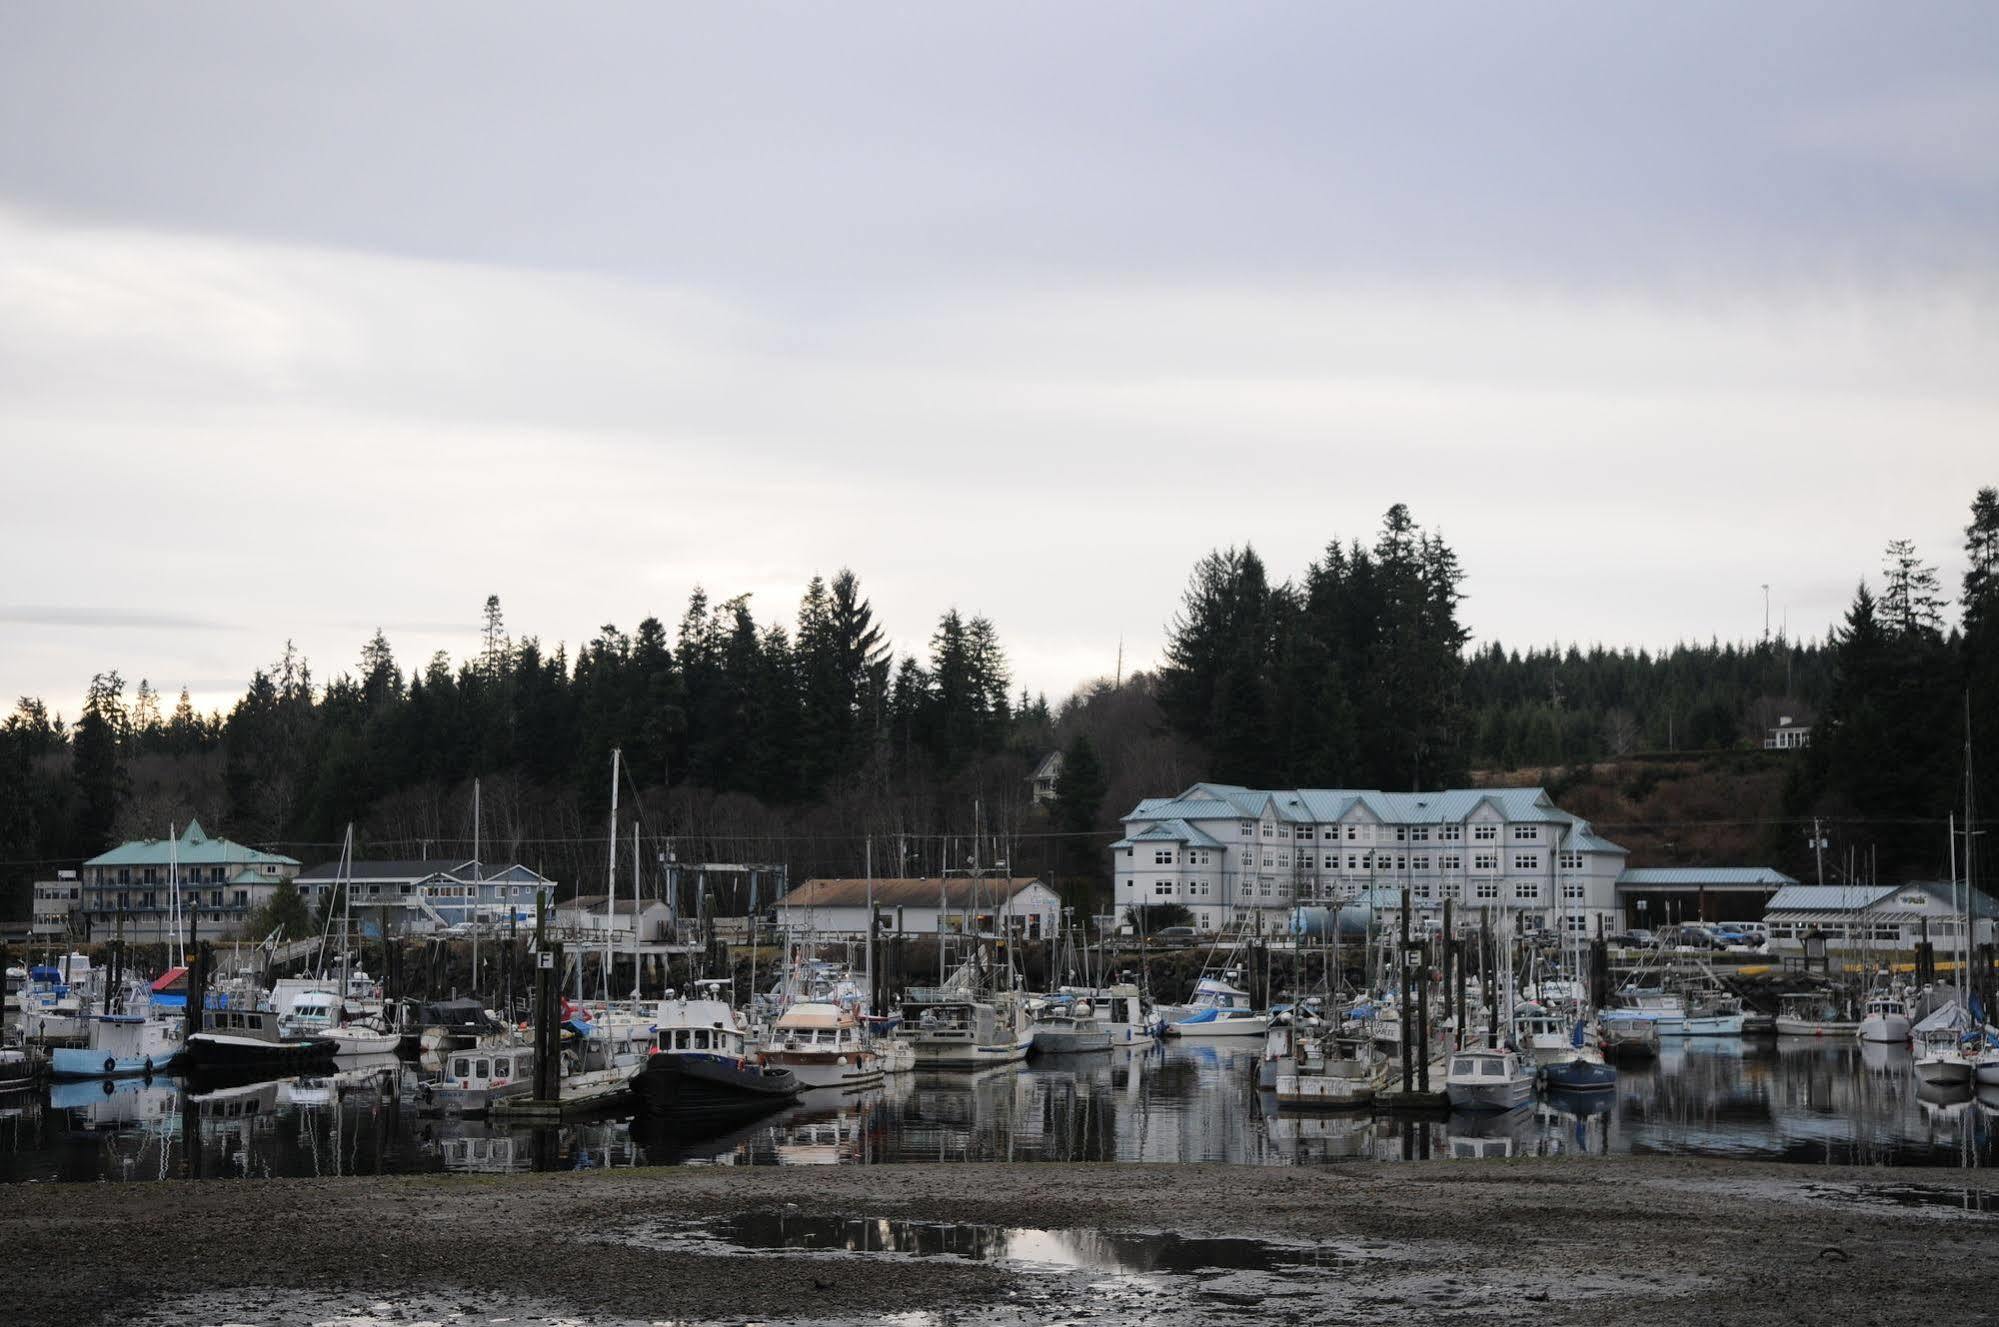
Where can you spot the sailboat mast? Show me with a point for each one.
(611, 874)
(478, 884)
(635, 909)
(174, 941)
(347, 922)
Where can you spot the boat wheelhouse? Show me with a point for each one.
(949, 1030)
(477, 1079)
(1486, 1078)
(700, 1068)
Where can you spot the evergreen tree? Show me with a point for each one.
(1080, 787)
(98, 760)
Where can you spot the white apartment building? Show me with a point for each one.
(1249, 856)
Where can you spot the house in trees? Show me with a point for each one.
(420, 895)
(952, 905)
(1046, 778)
(593, 915)
(1787, 735)
(1246, 857)
(137, 886)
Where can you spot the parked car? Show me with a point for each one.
(1174, 933)
(1636, 938)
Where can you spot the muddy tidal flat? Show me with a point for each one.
(1658, 1241)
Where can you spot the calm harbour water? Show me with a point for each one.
(1810, 1102)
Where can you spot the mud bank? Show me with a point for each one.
(1657, 1241)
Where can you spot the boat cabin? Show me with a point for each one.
(701, 1026)
(488, 1069)
(1472, 1066)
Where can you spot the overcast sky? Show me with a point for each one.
(314, 318)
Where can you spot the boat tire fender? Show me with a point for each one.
(110, 1065)
(149, 1066)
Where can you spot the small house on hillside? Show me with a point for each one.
(1047, 775)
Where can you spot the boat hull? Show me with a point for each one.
(1812, 1027)
(1503, 1095)
(1885, 1027)
(698, 1087)
(1207, 1029)
(965, 1054)
(1954, 1072)
(208, 1051)
(72, 1063)
(848, 1070)
(1322, 1092)
(1715, 1025)
(1580, 1075)
(1070, 1042)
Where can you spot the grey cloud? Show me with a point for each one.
(32, 615)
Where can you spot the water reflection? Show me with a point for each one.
(1791, 1100)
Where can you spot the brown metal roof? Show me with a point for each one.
(958, 892)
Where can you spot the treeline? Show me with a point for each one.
(806, 743)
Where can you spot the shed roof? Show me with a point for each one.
(1170, 831)
(956, 891)
(390, 869)
(1703, 877)
(1846, 898)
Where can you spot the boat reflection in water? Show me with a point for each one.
(1825, 1100)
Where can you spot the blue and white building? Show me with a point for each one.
(431, 894)
(1245, 857)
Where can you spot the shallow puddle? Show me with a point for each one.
(1089, 1250)
(1932, 1199)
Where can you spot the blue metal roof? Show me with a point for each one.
(1704, 876)
(1170, 831)
(1845, 898)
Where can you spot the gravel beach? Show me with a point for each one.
(1662, 1242)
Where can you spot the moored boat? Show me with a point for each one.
(1814, 1014)
(1940, 1058)
(475, 1080)
(121, 1046)
(824, 1045)
(1487, 1078)
(700, 1068)
(1886, 1018)
(1070, 1029)
(1627, 1035)
(1218, 1009)
(232, 1039)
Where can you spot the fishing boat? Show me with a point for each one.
(1985, 1064)
(949, 1030)
(824, 1045)
(1886, 1018)
(1068, 1029)
(1218, 1009)
(1328, 1073)
(1814, 1014)
(1626, 1034)
(474, 1081)
(233, 1039)
(700, 1069)
(1666, 1009)
(1122, 1011)
(1487, 1078)
(1712, 1013)
(1539, 1032)
(450, 1025)
(121, 1046)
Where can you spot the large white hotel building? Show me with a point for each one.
(1246, 857)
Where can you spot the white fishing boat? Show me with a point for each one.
(1985, 1064)
(824, 1045)
(950, 1030)
(1814, 1014)
(1122, 1011)
(1712, 1013)
(1487, 1078)
(1329, 1073)
(1666, 1009)
(1885, 1019)
(1539, 1032)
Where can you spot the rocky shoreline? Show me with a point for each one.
(1663, 1241)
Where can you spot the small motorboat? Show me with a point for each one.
(1940, 1058)
(1712, 1013)
(1488, 1078)
(1218, 1010)
(1070, 1029)
(1578, 1068)
(320, 1014)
